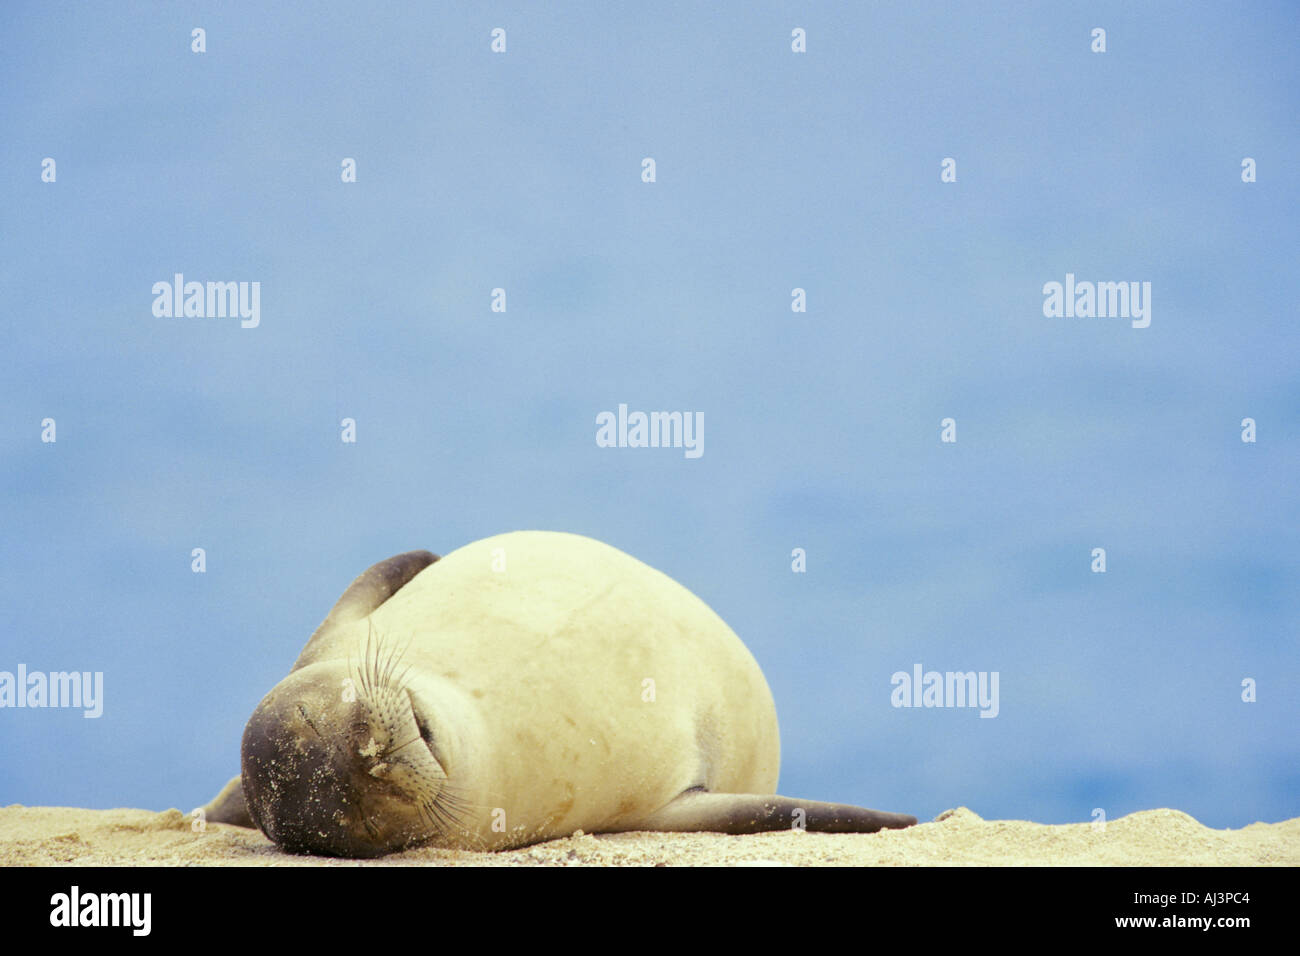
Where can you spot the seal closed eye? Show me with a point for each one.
(555, 683)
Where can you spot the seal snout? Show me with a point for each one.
(335, 776)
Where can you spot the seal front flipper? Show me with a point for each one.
(372, 588)
(697, 810)
(377, 584)
(228, 806)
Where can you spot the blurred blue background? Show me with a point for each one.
(775, 170)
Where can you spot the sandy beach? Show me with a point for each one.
(59, 836)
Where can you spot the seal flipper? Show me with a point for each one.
(377, 584)
(697, 810)
(228, 806)
(372, 588)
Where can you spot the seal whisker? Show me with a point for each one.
(392, 750)
(401, 678)
(372, 661)
(454, 808)
(395, 656)
(447, 820)
(364, 671)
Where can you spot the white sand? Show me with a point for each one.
(52, 836)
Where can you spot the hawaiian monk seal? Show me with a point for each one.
(523, 687)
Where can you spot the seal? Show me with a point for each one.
(521, 688)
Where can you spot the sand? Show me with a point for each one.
(56, 836)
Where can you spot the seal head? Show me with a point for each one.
(340, 767)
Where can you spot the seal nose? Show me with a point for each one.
(298, 781)
(322, 775)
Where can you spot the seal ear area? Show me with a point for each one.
(696, 810)
(377, 584)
